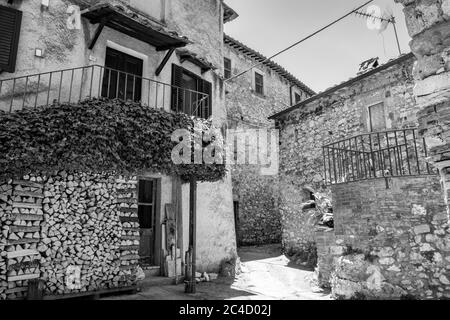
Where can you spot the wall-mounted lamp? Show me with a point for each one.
(39, 53)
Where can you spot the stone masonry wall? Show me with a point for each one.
(393, 242)
(259, 217)
(325, 240)
(428, 23)
(339, 115)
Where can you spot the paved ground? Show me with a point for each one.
(266, 275)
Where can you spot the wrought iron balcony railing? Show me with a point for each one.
(392, 153)
(76, 84)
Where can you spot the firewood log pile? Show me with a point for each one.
(51, 224)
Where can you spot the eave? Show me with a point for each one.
(132, 24)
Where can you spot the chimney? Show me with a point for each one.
(368, 65)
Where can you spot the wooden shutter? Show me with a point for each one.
(177, 94)
(206, 110)
(10, 21)
(227, 68)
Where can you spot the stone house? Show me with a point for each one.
(357, 144)
(167, 54)
(250, 99)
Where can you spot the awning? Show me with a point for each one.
(132, 23)
(186, 55)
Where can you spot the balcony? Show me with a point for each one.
(393, 153)
(77, 84)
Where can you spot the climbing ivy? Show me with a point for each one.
(97, 135)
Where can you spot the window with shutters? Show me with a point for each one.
(377, 119)
(10, 21)
(259, 83)
(227, 68)
(190, 93)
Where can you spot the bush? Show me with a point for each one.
(96, 135)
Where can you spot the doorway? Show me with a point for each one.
(147, 221)
(125, 81)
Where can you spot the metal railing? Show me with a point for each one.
(391, 153)
(76, 84)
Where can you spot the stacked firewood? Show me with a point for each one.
(82, 230)
(76, 232)
(128, 211)
(21, 216)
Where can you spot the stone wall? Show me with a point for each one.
(257, 194)
(393, 242)
(325, 240)
(335, 116)
(428, 23)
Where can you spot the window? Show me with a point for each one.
(147, 220)
(122, 85)
(259, 83)
(227, 68)
(10, 21)
(376, 117)
(190, 93)
(146, 203)
(297, 97)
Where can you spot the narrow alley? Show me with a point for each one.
(266, 275)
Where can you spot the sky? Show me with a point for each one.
(329, 58)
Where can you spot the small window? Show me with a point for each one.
(146, 203)
(376, 117)
(227, 68)
(259, 83)
(297, 97)
(10, 21)
(190, 93)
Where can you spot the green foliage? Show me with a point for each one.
(97, 135)
(306, 256)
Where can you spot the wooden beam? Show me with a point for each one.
(23, 241)
(28, 217)
(28, 194)
(24, 277)
(164, 61)
(190, 285)
(27, 183)
(27, 205)
(25, 229)
(97, 33)
(129, 219)
(22, 253)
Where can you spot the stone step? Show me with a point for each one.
(149, 282)
(152, 271)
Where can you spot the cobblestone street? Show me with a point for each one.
(266, 274)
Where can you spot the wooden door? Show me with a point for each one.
(147, 218)
(127, 84)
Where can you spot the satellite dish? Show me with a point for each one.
(372, 22)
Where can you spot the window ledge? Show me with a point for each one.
(261, 95)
